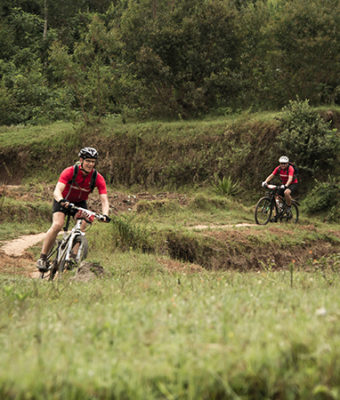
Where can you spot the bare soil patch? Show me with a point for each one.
(17, 247)
(23, 265)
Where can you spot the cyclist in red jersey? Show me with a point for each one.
(67, 192)
(289, 182)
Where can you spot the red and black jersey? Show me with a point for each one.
(81, 188)
(285, 173)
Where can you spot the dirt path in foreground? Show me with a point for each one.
(15, 259)
(17, 247)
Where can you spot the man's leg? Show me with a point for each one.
(288, 197)
(51, 235)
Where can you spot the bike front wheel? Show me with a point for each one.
(81, 244)
(263, 211)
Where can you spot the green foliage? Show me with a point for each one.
(289, 48)
(127, 236)
(307, 139)
(324, 198)
(226, 186)
(89, 75)
(176, 59)
(182, 53)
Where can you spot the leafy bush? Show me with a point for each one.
(307, 138)
(226, 186)
(324, 197)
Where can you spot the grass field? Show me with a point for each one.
(149, 332)
(192, 305)
(159, 328)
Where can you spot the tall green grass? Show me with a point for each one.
(144, 332)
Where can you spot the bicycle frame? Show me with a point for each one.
(67, 243)
(62, 254)
(276, 201)
(266, 205)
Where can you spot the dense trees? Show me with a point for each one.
(61, 59)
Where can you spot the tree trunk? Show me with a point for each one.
(45, 19)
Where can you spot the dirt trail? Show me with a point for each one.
(15, 259)
(203, 227)
(17, 247)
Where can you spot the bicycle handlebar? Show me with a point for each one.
(272, 187)
(88, 215)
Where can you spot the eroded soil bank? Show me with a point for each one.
(240, 246)
(237, 249)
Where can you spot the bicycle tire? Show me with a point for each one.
(58, 266)
(82, 240)
(263, 211)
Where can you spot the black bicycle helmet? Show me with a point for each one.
(88, 152)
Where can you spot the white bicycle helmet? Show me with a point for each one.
(88, 152)
(283, 159)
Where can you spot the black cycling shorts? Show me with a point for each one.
(292, 187)
(57, 207)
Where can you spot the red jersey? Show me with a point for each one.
(81, 189)
(285, 173)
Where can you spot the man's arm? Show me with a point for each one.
(58, 191)
(290, 179)
(269, 178)
(105, 204)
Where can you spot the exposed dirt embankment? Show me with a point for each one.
(247, 249)
(158, 154)
(240, 246)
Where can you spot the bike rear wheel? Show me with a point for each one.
(263, 211)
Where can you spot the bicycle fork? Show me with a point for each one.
(75, 239)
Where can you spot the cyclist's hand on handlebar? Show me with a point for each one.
(107, 218)
(283, 187)
(264, 184)
(65, 203)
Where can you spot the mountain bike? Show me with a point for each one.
(273, 208)
(68, 252)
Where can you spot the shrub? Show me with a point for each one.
(324, 197)
(307, 138)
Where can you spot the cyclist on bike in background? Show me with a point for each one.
(73, 189)
(289, 182)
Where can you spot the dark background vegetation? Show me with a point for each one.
(108, 65)
(63, 60)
